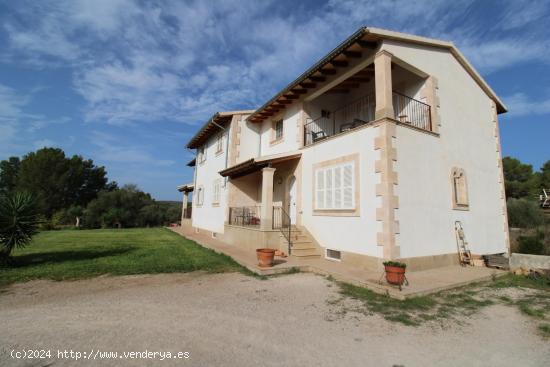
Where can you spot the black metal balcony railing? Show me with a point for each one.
(352, 115)
(412, 111)
(361, 111)
(245, 216)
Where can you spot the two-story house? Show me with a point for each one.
(373, 153)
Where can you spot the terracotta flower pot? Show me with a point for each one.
(265, 257)
(395, 275)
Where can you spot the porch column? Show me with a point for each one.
(383, 85)
(184, 205)
(266, 213)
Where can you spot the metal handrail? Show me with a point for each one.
(282, 222)
(412, 111)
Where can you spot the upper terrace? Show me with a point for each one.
(358, 82)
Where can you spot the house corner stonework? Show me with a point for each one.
(504, 210)
(385, 189)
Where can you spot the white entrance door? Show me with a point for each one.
(292, 199)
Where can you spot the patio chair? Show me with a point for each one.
(316, 136)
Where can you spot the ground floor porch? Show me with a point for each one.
(420, 282)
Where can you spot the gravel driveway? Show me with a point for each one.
(235, 320)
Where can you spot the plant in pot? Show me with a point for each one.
(395, 272)
(265, 257)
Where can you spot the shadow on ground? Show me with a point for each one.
(54, 257)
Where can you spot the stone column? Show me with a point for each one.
(266, 213)
(184, 205)
(383, 85)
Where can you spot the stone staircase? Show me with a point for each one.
(303, 247)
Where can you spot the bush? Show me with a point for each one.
(533, 245)
(395, 264)
(18, 222)
(523, 213)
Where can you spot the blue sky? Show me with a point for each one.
(127, 83)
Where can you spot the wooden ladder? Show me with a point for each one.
(464, 254)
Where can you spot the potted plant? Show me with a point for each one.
(265, 257)
(395, 272)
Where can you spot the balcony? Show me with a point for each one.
(407, 110)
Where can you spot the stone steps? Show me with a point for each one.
(303, 246)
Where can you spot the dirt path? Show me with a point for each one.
(234, 320)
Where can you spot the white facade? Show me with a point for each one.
(403, 204)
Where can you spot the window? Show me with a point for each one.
(216, 189)
(460, 189)
(201, 154)
(333, 254)
(219, 143)
(335, 187)
(200, 195)
(278, 129)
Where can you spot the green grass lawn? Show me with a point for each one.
(73, 254)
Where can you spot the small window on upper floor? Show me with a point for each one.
(460, 189)
(219, 143)
(201, 154)
(278, 129)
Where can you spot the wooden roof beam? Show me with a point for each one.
(308, 85)
(352, 54)
(299, 91)
(292, 96)
(367, 44)
(328, 71)
(339, 63)
(317, 78)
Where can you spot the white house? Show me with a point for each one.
(373, 153)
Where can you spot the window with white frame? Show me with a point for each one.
(335, 187)
(201, 154)
(219, 143)
(216, 190)
(200, 196)
(278, 129)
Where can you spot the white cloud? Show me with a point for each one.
(111, 149)
(520, 104)
(181, 61)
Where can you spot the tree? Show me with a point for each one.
(9, 171)
(118, 208)
(18, 222)
(544, 176)
(519, 179)
(59, 182)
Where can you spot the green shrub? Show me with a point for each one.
(533, 245)
(523, 213)
(18, 222)
(394, 263)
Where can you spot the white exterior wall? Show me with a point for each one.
(291, 116)
(208, 216)
(351, 234)
(249, 137)
(424, 163)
